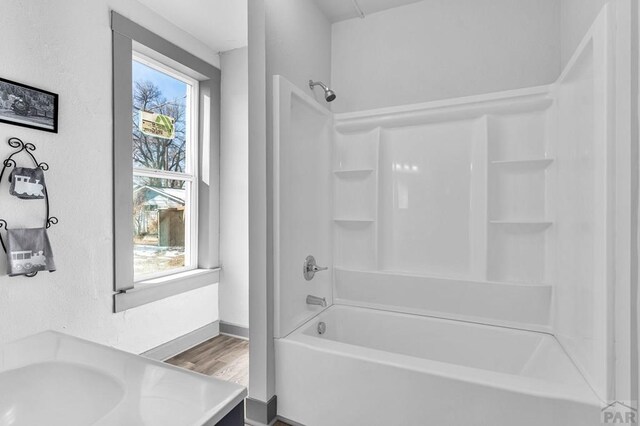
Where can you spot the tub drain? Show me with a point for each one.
(322, 327)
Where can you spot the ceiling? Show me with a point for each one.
(339, 10)
(221, 24)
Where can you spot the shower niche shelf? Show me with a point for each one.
(518, 136)
(356, 152)
(346, 173)
(355, 198)
(529, 223)
(517, 253)
(533, 163)
(355, 177)
(519, 161)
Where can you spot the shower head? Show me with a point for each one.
(329, 95)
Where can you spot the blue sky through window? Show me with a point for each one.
(148, 151)
(171, 88)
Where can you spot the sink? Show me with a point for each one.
(58, 380)
(38, 394)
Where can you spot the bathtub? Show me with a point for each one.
(372, 367)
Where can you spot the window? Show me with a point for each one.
(164, 135)
(166, 143)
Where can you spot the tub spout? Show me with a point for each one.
(315, 300)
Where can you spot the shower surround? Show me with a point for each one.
(469, 253)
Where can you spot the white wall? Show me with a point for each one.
(292, 38)
(577, 16)
(234, 188)
(298, 43)
(439, 49)
(65, 47)
(261, 353)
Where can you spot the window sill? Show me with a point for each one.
(160, 288)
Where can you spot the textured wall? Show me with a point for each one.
(440, 49)
(65, 47)
(298, 43)
(234, 187)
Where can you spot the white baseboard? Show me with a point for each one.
(182, 343)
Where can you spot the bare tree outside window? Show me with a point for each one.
(160, 204)
(156, 153)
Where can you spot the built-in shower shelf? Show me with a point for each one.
(353, 172)
(528, 223)
(540, 163)
(355, 220)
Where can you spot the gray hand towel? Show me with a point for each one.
(28, 251)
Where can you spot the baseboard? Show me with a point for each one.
(234, 330)
(288, 421)
(182, 343)
(259, 412)
(248, 422)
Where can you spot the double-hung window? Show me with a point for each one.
(165, 199)
(166, 144)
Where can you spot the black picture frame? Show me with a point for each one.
(28, 106)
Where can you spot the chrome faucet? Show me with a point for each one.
(315, 300)
(310, 268)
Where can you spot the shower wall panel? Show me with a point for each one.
(452, 191)
(425, 193)
(584, 153)
(302, 207)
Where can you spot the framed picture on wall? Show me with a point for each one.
(27, 106)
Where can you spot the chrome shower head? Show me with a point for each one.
(329, 95)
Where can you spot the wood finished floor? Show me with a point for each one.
(223, 357)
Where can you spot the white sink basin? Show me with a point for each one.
(55, 379)
(37, 393)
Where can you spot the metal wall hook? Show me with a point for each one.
(3, 224)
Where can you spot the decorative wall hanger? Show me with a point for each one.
(28, 249)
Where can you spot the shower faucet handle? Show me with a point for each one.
(310, 268)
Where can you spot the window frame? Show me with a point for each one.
(128, 37)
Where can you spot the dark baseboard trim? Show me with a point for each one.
(289, 421)
(234, 330)
(261, 412)
(182, 343)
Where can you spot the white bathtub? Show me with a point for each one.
(373, 367)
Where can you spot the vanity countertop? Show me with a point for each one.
(55, 379)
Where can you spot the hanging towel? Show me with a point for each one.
(27, 183)
(28, 251)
